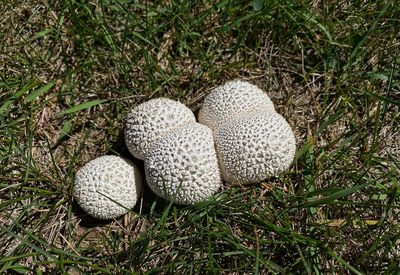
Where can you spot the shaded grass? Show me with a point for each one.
(71, 70)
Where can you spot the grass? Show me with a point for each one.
(71, 70)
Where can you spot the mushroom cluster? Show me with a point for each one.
(253, 141)
(239, 138)
(179, 156)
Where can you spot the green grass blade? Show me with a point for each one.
(331, 198)
(39, 92)
(83, 106)
(6, 105)
(40, 34)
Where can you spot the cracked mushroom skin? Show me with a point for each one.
(182, 166)
(232, 100)
(254, 147)
(150, 120)
(107, 187)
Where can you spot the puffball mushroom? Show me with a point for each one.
(253, 141)
(107, 187)
(150, 120)
(231, 100)
(182, 166)
(254, 147)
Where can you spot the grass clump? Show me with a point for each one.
(71, 70)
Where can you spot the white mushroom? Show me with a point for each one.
(107, 187)
(182, 166)
(150, 120)
(254, 147)
(231, 100)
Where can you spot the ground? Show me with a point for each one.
(71, 70)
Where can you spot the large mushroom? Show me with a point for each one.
(254, 147)
(107, 187)
(182, 166)
(149, 121)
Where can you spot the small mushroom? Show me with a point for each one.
(182, 166)
(231, 100)
(149, 121)
(254, 147)
(107, 187)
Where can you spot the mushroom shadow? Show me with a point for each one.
(87, 221)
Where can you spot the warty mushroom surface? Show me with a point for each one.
(107, 187)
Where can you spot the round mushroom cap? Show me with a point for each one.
(232, 100)
(254, 147)
(150, 120)
(107, 187)
(182, 166)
